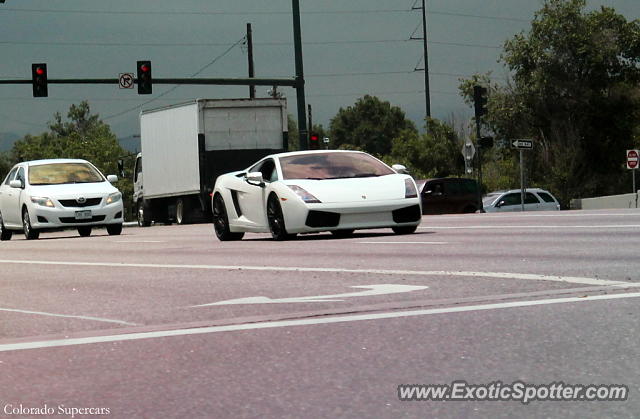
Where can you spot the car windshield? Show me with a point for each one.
(489, 199)
(60, 173)
(332, 166)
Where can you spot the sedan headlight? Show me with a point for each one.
(304, 195)
(410, 190)
(40, 200)
(114, 197)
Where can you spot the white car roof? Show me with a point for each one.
(517, 190)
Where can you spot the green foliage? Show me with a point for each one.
(434, 154)
(575, 92)
(5, 165)
(83, 136)
(371, 124)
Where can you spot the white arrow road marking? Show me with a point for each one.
(371, 290)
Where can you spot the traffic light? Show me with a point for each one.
(480, 101)
(145, 85)
(486, 142)
(39, 80)
(314, 141)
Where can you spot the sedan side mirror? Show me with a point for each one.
(255, 179)
(16, 184)
(112, 178)
(400, 169)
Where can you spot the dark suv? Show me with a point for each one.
(449, 196)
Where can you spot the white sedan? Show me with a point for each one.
(511, 201)
(58, 193)
(314, 191)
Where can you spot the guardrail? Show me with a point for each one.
(630, 200)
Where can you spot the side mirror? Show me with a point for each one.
(112, 178)
(121, 168)
(400, 169)
(499, 204)
(255, 179)
(16, 184)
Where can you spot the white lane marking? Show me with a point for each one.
(301, 322)
(41, 313)
(403, 242)
(493, 227)
(380, 289)
(140, 241)
(506, 275)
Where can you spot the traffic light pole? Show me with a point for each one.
(299, 81)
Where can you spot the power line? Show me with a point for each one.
(243, 39)
(222, 44)
(262, 12)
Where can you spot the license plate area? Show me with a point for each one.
(83, 215)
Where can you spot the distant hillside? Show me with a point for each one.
(7, 139)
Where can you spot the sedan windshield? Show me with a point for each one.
(332, 166)
(60, 173)
(489, 199)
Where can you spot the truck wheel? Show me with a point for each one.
(143, 219)
(29, 232)
(84, 231)
(4, 233)
(221, 221)
(182, 211)
(114, 229)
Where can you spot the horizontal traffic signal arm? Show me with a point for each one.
(216, 81)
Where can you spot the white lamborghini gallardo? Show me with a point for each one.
(314, 191)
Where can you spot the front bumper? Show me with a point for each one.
(45, 217)
(357, 215)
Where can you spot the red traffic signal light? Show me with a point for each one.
(145, 85)
(314, 137)
(39, 80)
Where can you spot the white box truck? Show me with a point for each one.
(185, 147)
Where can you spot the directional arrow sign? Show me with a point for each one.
(522, 144)
(379, 289)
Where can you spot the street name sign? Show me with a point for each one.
(522, 144)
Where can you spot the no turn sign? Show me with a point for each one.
(125, 80)
(632, 159)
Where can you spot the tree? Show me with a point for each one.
(575, 91)
(83, 136)
(433, 154)
(370, 125)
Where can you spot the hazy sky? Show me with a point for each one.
(351, 48)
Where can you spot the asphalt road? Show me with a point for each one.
(168, 322)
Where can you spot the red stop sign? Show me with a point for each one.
(632, 159)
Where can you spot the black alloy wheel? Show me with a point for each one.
(221, 221)
(142, 220)
(276, 220)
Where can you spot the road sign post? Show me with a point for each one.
(632, 163)
(522, 145)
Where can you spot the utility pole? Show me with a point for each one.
(427, 92)
(252, 88)
(297, 43)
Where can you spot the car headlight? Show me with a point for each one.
(304, 195)
(40, 200)
(114, 197)
(410, 190)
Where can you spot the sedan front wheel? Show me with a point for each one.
(29, 232)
